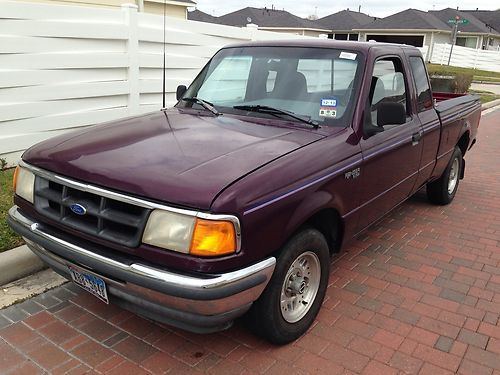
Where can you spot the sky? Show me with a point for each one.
(376, 8)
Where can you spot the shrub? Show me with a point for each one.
(462, 82)
(450, 81)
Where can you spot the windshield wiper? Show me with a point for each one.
(203, 103)
(276, 111)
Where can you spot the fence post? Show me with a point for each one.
(478, 50)
(131, 21)
(252, 28)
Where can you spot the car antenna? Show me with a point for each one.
(164, 52)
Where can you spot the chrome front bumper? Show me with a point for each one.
(202, 303)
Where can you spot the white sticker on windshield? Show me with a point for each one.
(347, 55)
(328, 112)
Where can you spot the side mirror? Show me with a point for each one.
(181, 90)
(390, 113)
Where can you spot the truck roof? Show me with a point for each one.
(322, 43)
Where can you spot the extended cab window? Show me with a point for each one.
(387, 86)
(424, 96)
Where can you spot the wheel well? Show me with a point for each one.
(463, 142)
(329, 223)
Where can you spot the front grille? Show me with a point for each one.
(105, 218)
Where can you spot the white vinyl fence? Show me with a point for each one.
(64, 67)
(465, 57)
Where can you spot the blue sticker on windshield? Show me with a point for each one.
(331, 102)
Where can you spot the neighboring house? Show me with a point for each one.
(410, 26)
(198, 15)
(424, 29)
(272, 20)
(174, 8)
(342, 24)
(482, 31)
(491, 18)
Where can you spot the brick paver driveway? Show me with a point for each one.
(418, 293)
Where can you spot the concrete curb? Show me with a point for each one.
(491, 104)
(17, 263)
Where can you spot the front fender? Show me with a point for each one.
(308, 207)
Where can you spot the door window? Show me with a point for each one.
(387, 86)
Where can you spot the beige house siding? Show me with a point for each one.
(96, 3)
(172, 10)
(156, 7)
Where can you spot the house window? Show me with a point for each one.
(353, 37)
(340, 36)
(464, 41)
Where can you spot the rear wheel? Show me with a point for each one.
(293, 297)
(443, 190)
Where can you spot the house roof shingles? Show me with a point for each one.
(345, 20)
(491, 18)
(474, 26)
(264, 17)
(409, 19)
(198, 15)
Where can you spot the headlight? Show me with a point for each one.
(24, 183)
(190, 235)
(169, 230)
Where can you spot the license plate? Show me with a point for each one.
(91, 283)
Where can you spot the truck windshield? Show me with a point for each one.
(316, 84)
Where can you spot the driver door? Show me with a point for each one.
(391, 158)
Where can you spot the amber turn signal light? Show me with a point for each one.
(14, 179)
(213, 238)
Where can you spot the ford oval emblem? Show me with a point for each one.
(78, 209)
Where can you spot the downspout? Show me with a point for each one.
(140, 5)
(431, 48)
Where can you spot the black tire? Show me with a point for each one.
(438, 191)
(265, 317)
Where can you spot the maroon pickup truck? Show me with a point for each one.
(233, 201)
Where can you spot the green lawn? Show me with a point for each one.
(485, 98)
(478, 75)
(8, 239)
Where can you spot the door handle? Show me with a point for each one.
(415, 138)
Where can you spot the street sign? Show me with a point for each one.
(458, 22)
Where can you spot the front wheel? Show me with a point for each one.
(293, 297)
(443, 190)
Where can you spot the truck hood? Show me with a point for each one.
(177, 157)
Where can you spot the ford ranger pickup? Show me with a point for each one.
(232, 202)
